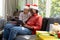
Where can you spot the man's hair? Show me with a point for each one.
(32, 11)
(36, 11)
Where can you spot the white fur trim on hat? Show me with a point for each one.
(31, 6)
(26, 7)
(34, 7)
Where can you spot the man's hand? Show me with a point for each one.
(30, 27)
(25, 25)
(13, 22)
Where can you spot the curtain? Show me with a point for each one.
(10, 7)
(0, 7)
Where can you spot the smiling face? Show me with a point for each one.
(31, 10)
(26, 11)
(34, 11)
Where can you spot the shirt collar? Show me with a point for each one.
(35, 14)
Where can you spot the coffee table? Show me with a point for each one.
(26, 37)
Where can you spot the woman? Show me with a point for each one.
(23, 16)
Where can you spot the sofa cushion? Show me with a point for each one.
(52, 21)
(25, 37)
(44, 24)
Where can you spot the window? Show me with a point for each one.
(49, 8)
(55, 8)
(42, 7)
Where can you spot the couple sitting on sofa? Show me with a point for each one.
(31, 24)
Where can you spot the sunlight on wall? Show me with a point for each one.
(48, 8)
(35, 2)
(21, 4)
(1, 13)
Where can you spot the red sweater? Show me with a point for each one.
(35, 22)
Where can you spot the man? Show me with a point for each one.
(23, 16)
(33, 23)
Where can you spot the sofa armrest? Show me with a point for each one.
(1, 32)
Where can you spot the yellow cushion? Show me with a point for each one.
(41, 37)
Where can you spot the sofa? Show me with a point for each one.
(2, 23)
(45, 24)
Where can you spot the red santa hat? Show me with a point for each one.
(34, 6)
(28, 5)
